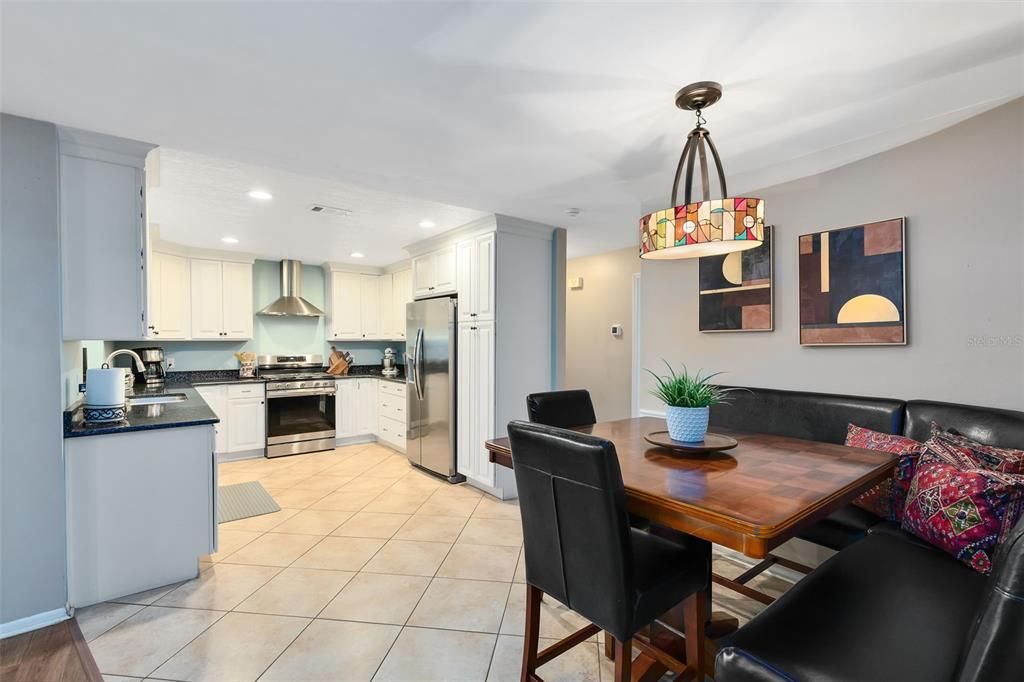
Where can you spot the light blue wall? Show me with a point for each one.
(291, 335)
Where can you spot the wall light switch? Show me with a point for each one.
(576, 283)
(170, 362)
(616, 330)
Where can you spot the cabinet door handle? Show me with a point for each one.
(472, 314)
(472, 329)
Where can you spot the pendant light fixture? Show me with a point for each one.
(711, 226)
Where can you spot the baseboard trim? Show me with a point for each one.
(223, 457)
(651, 413)
(29, 623)
(355, 440)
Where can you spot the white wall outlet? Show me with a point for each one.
(617, 330)
(576, 283)
(170, 362)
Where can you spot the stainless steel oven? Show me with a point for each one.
(300, 404)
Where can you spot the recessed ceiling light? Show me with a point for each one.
(572, 212)
(428, 223)
(260, 194)
(229, 240)
(356, 254)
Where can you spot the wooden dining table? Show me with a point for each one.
(751, 498)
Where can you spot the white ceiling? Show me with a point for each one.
(524, 109)
(199, 200)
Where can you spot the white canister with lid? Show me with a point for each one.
(104, 387)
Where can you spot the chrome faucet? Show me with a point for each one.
(109, 362)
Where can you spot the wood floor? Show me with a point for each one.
(54, 654)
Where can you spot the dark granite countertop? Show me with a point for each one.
(210, 377)
(193, 411)
(373, 371)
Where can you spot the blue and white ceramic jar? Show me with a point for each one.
(687, 424)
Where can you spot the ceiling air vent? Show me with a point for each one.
(329, 210)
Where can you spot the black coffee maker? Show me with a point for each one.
(153, 359)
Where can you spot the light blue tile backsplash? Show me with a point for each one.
(272, 335)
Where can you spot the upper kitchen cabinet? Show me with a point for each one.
(401, 294)
(103, 236)
(366, 306)
(433, 274)
(475, 278)
(222, 303)
(344, 299)
(369, 306)
(169, 299)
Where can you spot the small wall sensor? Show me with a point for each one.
(616, 330)
(576, 283)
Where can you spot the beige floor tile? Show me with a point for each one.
(491, 508)
(140, 644)
(221, 588)
(148, 596)
(520, 576)
(340, 553)
(230, 541)
(323, 482)
(431, 528)
(505, 532)
(390, 468)
(377, 598)
(392, 502)
(372, 525)
(284, 479)
(333, 651)
(472, 605)
(312, 465)
(416, 480)
(556, 620)
(363, 484)
(406, 557)
(296, 592)
(261, 523)
(296, 498)
(238, 648)
(463, 490)
(343, 500)
(480, 562)
(446, 504)
(273, 549)
(313, 522)
(232, 477)
(96, 619)
(579, 664)
(119, 678)
(415, 656)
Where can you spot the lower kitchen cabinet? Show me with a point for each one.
(391, 419)
(368, 407)
(242, 411)
(141, 510)
(476, 400)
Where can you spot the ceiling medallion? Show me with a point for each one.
(711, 226)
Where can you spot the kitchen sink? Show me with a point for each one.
(158, 399)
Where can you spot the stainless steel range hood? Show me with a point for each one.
(291, 301)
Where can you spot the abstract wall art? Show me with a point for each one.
(853, 286)
(736, 290)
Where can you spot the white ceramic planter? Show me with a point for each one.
(687, 424)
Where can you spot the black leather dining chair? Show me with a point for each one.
(564, 409)
(580, 550)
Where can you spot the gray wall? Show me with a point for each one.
(32, 560)
(960, 191)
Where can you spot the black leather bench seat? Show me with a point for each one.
(871, 612)
(843, 527)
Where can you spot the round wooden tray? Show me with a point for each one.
(713, 442)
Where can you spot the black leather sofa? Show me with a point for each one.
(887, 606)
(825, 416)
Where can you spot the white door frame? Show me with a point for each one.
(637, 345)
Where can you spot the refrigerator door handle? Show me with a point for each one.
(418, 349)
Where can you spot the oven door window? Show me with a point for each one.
(299, 415)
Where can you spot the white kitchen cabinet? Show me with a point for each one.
(169, 305)
(369, 306)
(366, 406)
(247, 424)
(217, 398)
(476, 400)
(401, 295)
(433, 274)
(102, 235)
(222, 303)
(387, 306)
(141, 510)
(237, 300)
(242, 412)
(344, 296)
(391, 415)
(355, 407)
(475, 278)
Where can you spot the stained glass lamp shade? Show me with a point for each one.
(709, 227)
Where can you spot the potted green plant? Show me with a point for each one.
(687, 401)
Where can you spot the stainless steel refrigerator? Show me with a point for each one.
(430, 370)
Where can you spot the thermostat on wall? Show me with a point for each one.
(616, 330)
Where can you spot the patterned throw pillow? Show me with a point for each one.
(887, 498)
(965, 510)
(960, 447)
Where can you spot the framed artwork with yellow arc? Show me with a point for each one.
(736, 290)
(853, 287)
